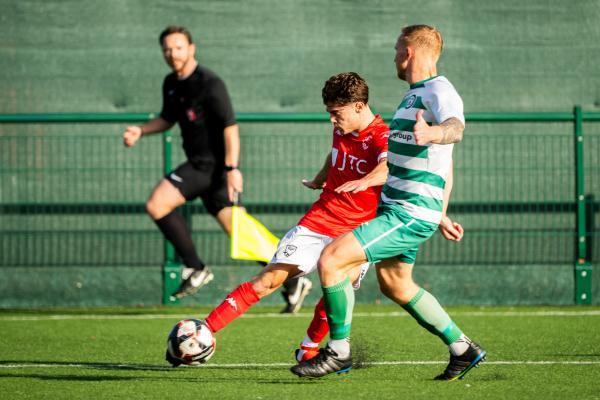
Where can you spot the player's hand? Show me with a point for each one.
(312, 184)
(132, 135)
(352, 186)
(451, 230)
(235, 183)
(423, 132)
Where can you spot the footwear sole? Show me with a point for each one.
(480, 358)
(342, 371)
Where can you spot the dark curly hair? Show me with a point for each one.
(345, 88)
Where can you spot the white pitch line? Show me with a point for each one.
(270, 365)
(59, 317)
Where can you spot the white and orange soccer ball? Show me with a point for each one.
(190, 342)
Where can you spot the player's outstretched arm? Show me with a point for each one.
(377, 177)
(133, 133)
(318, 182)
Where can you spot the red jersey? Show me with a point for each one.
(352, 157)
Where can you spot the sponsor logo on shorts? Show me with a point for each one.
(176, 177)
(363, 272)
(289, 250)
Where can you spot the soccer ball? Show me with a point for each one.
(190, 342)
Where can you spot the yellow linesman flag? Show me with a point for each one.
(250, 240)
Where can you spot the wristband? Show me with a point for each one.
(230, 167)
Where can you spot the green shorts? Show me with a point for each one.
(393, 233)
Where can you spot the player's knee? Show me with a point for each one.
(156, 209)
(329, 260)
(151, 207)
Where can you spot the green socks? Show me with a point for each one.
(431, 316)
(339, 303)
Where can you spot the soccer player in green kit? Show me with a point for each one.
(427, 123)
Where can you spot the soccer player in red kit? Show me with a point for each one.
(350, 179)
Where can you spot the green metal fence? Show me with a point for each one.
(526, 190)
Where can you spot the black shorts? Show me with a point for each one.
(203, 182)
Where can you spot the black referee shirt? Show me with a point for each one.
(201, 105)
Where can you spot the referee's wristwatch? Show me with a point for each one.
(230, 167)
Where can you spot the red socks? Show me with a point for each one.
(319, 328)
(244, 296)
(234, 305)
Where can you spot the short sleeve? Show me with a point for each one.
(381, 144)
(220, 103)
(445, 103)
(168, 112)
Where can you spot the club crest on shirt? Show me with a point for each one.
(191, 114)
(365, 142)
(289, 250)
(410, 101)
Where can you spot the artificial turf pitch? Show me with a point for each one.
(533, 353)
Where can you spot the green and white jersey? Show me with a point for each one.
(417, 174)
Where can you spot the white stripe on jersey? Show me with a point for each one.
(422, 213)
(415, 187)
(418, 164)
(381, 156)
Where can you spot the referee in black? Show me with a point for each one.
(197, 99)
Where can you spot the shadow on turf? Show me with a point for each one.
(96, 365)
(43, 375)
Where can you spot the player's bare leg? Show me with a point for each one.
(319, 327)
(163, 200)
(248, 293)
(335, 264)
(339, 258)
(396, 282)
(295, 289)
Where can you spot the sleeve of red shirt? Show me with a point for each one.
(381, 143)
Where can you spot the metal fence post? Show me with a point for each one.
(171, 271)
(583, 268)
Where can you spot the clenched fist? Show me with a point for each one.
(132, 135)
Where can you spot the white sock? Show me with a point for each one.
(459, 346)
(340, 346)
(308, 342)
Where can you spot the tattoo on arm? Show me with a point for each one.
(452, 131)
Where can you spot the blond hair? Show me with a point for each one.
(423, 37)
